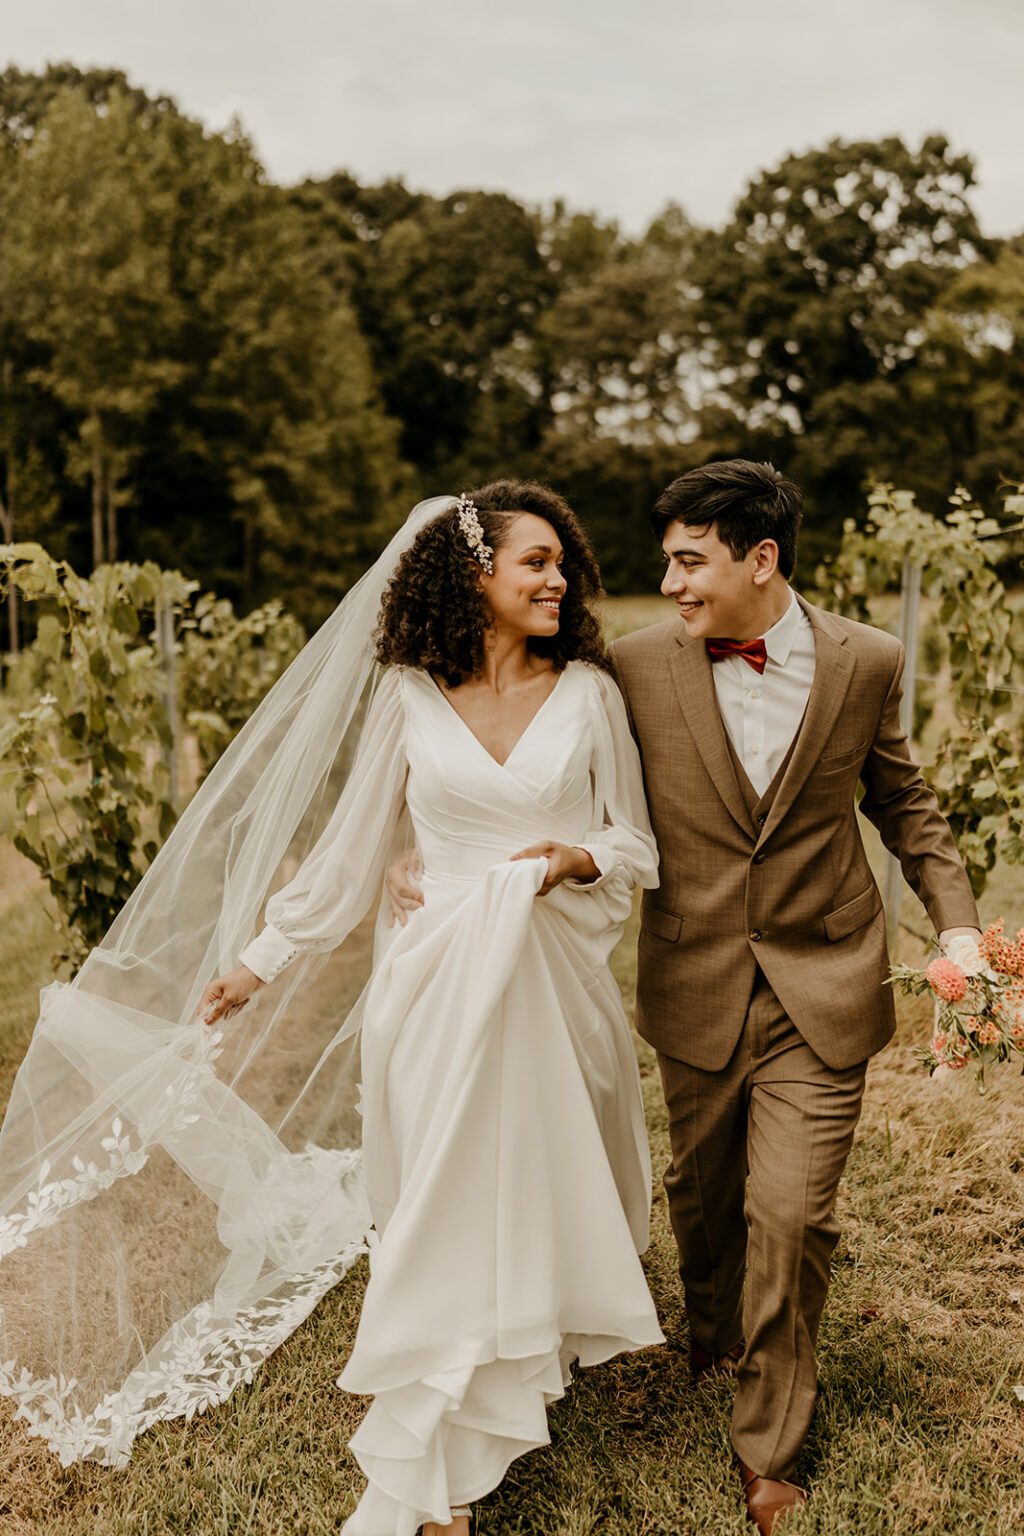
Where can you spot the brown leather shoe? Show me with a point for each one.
(769, 1499)
(704, 1364)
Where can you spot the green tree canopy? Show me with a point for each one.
(190, 328)
(253, 382)
(815, 295)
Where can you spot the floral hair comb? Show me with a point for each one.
(472, 531)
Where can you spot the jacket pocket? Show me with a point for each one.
(664, 925)
(853, 914)
(840, 760)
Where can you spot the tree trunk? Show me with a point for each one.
(248, 558)
(98, 477)
(7, 522)
(111, 515)
(7, 529)
(12, 620)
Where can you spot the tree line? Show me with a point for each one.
(252, 383)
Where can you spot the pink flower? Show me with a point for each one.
(946, 980)
(951, 1053)
(1005, 955)
(988, 1034)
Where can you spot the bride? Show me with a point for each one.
(504, 1168)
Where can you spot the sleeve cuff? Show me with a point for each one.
(269, 953)
(603, 857)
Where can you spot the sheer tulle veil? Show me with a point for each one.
(173, 1200)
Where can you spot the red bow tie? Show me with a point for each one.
(753, 652)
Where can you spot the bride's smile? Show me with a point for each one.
(525, 592)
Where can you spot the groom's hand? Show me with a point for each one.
(951, 933)
(404, 895)
(564, 863)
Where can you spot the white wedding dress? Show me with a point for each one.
(505, 1154)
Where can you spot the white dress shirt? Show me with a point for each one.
(762, 712)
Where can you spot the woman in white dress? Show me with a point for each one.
(504, 1147)
(179, 1187)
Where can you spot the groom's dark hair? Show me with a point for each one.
(746, 502)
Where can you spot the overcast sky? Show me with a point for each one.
(615, 105)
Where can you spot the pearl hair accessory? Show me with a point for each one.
(473, 533)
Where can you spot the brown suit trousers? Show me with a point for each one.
(760, 984)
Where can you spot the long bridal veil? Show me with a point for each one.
(174, 1201)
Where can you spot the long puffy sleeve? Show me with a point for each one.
(621, 844)
(337, 883)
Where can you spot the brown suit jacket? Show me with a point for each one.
(795, 895)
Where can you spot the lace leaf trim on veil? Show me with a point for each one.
(200, 1362)
(203, 1357)
(49, 1200)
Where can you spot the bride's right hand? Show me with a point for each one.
(228, 993)
(404, 895)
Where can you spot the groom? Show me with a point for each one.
(763, 952)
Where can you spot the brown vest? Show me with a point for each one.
(759, 806)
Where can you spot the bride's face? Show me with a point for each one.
(527, 587)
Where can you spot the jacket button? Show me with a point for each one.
(755, 934)
(759, 858)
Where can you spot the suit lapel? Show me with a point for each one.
(690, 667)
(833, 668)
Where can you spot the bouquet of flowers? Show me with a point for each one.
(978, 985)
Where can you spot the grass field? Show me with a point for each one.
(918, 1428)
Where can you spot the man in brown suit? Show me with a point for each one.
(763, 953)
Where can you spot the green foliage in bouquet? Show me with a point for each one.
(976, 772)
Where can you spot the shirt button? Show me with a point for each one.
(755, 693)
(755, 935)
(754, 751)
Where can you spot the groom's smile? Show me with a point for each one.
(718, 596)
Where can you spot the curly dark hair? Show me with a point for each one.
(433, 614)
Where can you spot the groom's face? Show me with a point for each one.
(717, 596)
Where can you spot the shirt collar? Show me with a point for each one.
(779, 640)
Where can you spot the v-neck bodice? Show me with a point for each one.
(503, 762)
(468, 809)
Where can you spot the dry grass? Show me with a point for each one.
(917, 1428)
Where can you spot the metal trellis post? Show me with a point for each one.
(165, 641)
(910, 617)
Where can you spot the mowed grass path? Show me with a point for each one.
(917, 1428)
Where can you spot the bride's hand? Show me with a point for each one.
(404, 895)
(564, 863)
(227, 994)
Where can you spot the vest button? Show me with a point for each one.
(755, 934)
(759, 858)
(762, 819)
